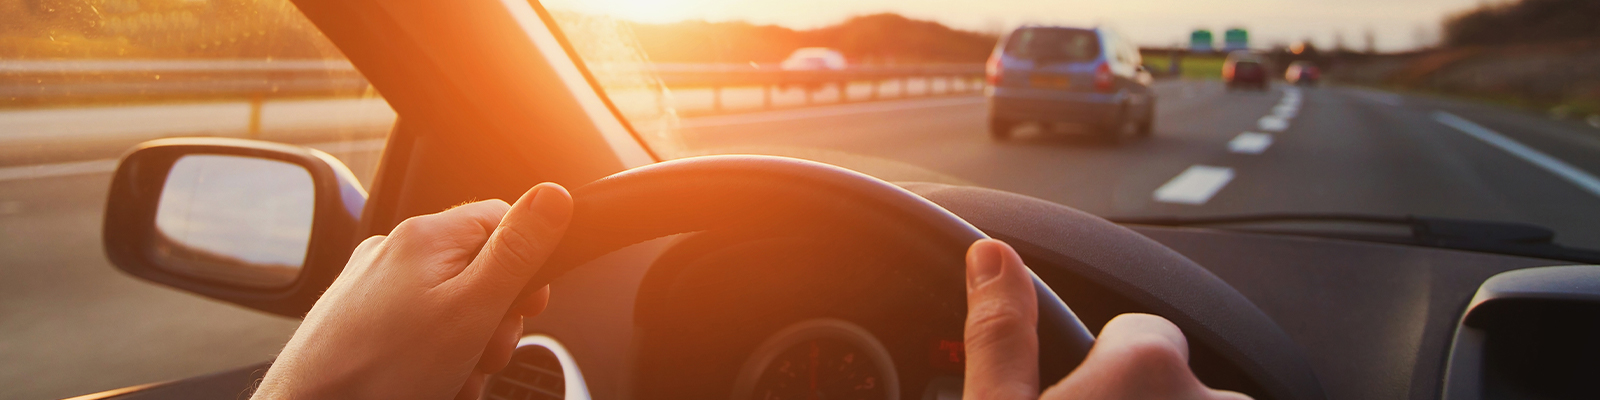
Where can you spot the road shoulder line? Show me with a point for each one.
(1560, 168)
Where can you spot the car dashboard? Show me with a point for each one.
(683, 317)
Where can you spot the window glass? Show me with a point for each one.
(81, 81)
(1054, 44)
(1423, 115)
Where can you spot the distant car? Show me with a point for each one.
(814, 59)
(1303, 73)
(1085, 76)
(1244, 69)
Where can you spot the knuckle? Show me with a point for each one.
(1005, 390)
(370, 244)
(991, 323)
(515, 251)
(1152, 352)
(414, 226)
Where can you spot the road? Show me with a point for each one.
(71, 324)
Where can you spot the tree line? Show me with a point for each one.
(1524, 22)
(871, 39)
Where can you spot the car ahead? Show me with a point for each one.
(1302, 73)
(807, 59)
(1089, 77)
(1244, 70)
(814, 59)
(689, 278)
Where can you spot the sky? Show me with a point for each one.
(1394, 24)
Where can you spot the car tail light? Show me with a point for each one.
(993, 70)
(1102, 78)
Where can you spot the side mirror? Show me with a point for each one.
(259, 224)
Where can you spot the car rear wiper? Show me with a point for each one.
(1514, 238)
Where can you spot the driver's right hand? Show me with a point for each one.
(1137, 356)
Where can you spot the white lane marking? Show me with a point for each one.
(1566, 171)
(57, 170)
(1250, 143)
(105, 166)
(1195, 185)
(1273, 123)
(1286, 110)
(825, 111)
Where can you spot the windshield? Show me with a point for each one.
(1450, 108)
(1053, 44)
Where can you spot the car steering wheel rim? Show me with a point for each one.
(723, 191)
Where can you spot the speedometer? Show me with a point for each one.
(819, 359)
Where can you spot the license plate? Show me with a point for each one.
(1045, 81)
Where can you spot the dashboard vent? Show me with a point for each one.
(534, 374)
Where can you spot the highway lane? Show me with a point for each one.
(70, 324)
(1345, 150)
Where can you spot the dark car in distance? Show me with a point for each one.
(1303, 73)
(1244, 69)
(1089, 77)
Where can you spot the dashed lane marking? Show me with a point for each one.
(1273, 123)
(1250, 143)
(1195, 186)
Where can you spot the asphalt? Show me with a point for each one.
(71, 324)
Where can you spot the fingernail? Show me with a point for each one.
(983, 264)
(552, 203)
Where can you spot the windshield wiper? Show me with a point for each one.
(1514, 238)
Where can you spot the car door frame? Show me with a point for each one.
(491, 99)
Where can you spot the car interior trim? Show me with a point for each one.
(1473, 372)
(627, 148)
(576, 388)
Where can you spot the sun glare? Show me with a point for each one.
(657, 11)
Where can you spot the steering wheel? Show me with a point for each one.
(776, 194)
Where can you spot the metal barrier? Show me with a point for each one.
(958, 78)
(49, 82)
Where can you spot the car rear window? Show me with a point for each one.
(1053, 44)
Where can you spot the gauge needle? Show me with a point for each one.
(813, 372)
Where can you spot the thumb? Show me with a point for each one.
(1002, 341)
(530, 230)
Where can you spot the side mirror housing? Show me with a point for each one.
(259, 224)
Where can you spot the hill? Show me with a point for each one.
(870, 39)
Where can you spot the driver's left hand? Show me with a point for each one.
(429, 311)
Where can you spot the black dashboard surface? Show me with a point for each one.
(1375, 320)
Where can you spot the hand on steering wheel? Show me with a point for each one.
(1137, 356)
(431, 309)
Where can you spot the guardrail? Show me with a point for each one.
(958, 78)
(48, 82)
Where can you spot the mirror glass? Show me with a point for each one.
(234, 219)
